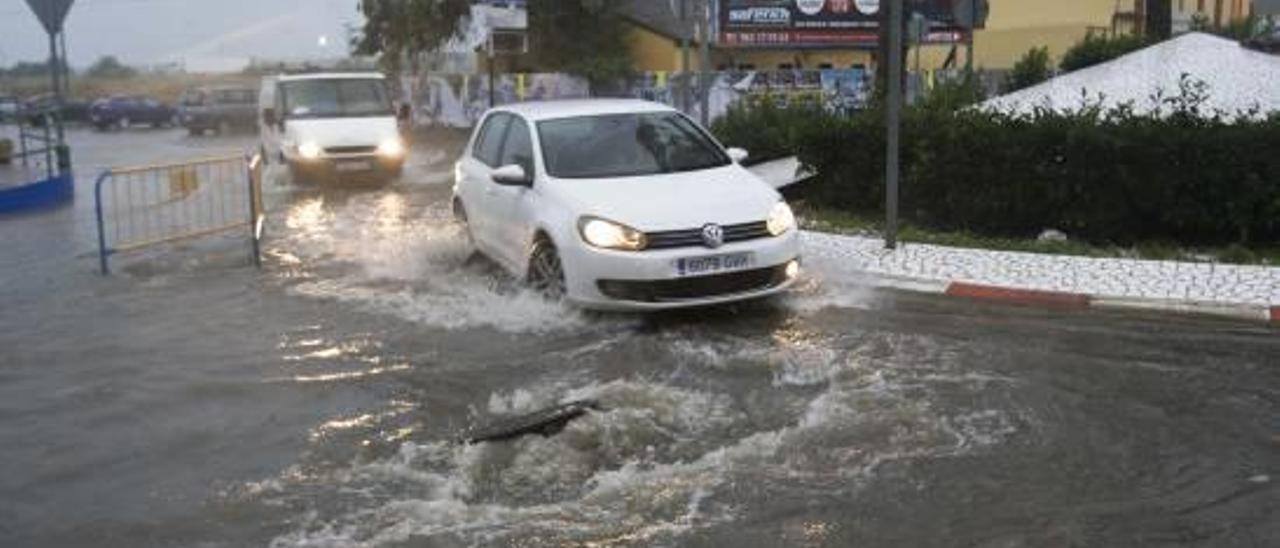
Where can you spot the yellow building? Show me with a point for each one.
(1012, 28)
(1016, 26)
(656, 37)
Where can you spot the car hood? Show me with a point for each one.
(339, 132)
(676, 201)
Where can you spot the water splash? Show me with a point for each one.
(386, 256)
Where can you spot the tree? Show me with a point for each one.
(396, 29)
(1030, 70)
(583, 37)
(27, 69)
(110, 67)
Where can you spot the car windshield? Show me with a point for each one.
(235, 96)
(345, 97)
(626, 145)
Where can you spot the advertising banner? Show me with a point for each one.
(820, 23)
(459, 100)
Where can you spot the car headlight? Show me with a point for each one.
(309, 151)
(391, 148)
(611, 235)
(781, 219)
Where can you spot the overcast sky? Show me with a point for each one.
(205, 34)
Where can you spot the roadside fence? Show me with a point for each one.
(145, 206)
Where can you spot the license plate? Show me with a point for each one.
(359, 165)
(697, 266)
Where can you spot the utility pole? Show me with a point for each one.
(684, 55)
(973, 25)
(892, 123)
(705, 78)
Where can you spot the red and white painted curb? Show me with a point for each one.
(1054, 299)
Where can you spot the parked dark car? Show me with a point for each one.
(221, 109)
(10, 107)
(34, 109)
(123, 112)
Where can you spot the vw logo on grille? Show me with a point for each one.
(713, 235)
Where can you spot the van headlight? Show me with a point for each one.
(391, 148)
(611, 235)
(309, 151)
(781, 219)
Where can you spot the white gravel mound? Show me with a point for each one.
(1238, 80)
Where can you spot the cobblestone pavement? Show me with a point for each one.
(1099, 278)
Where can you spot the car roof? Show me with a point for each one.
(570, 108)
(331, 76)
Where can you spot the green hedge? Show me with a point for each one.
(1096, 49)
(768, 127)
(1106, 177)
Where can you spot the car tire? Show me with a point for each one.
(195, 132)
(546, 272)
(460, 217)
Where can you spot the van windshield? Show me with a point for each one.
(339, 97)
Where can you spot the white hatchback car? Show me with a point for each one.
(622, 204)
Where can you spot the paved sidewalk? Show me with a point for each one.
(1251, 292)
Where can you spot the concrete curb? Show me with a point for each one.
(1053, 299)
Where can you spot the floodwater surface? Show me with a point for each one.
(191, 400)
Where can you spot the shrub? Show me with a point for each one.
(1106, 177)
(1096, 49)
(953, 94)
(1030, 70)
(767, 128)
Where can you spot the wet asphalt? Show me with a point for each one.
(192, 400)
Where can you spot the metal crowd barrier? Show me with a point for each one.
(139, 207)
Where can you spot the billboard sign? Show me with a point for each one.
(820, 23)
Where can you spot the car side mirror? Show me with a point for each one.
(269, 116)
(512, 175)
(738, 155)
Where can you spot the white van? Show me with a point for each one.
(331, 126)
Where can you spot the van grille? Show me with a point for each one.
(351, 150)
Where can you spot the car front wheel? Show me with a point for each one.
(546, 272)
(460, 217)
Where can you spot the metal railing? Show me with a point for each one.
(139, 207)
(37, 141)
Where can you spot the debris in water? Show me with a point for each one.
(546, 422)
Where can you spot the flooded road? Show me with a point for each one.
(190, 400)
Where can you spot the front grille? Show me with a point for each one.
(692, 237)
(701, 287)
(351, 150)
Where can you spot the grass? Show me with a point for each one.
(843, 222)
(166, 87)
